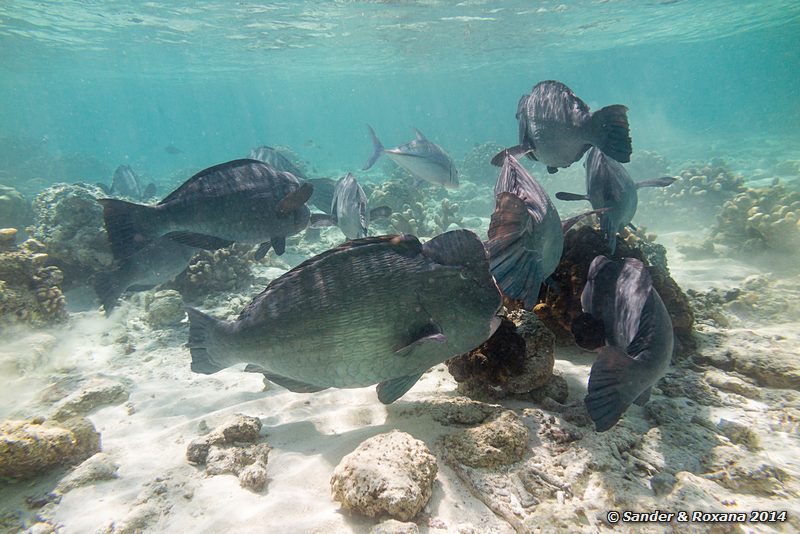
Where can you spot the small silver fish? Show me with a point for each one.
(639, 338)
(556, 128)
(380, 309)
(349, 209)
(609, 185)
(423, 159)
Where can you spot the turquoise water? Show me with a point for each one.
(121, 82)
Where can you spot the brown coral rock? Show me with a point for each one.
(499, 442)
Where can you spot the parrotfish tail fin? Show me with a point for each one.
(612, 375)
(381, 212)
(657, 182)
(516, 151)
(108, 289)
(129, 226)
(201, 332)
(561, 195)
(377, 149)
(611, 132)
(515, 268)
(566, 224)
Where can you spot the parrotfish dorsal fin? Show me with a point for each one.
(296, 198)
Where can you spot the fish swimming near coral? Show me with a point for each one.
(244, 201)
(157, 262)
(609, 185)
(275, 159)
(349, 209)
(373, 310)
(557, 128)
(526, 235)
(639, 338)
(423, 159)
(126, 183)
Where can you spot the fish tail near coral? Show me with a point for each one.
(128, 225)
(611, 374)
(377, 147)
(201, 333)
(610, 125)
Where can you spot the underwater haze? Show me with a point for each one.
(373, 266)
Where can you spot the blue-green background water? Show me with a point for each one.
(120, 83)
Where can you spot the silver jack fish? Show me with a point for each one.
(379, 309)
(423, 159)
(243, 201)
(157, 262)
(556, 128)
(638, 334)
(609, 185)
(526, 235)
(349, 209)
(126, 183)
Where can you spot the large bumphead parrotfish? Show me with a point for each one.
(638, 333)
(422, 158)
(373, 310)
(157, 262)
(243, 201)
(557, 128)
(526, 235)
(609, 185)
(349, 209)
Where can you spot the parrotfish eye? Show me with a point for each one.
(463, 274)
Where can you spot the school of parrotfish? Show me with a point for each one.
(384, 309)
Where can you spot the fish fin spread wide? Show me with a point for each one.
(129, 225)
(391, 390)
(657, 182)
(552, 170)
(321, 220)
(108, 289)
(262, 250)
(516, 151)
(191, 239)
(566, 224)
(201, 328)
(381, 212)
(516, 268)
(611, 132)
(612, 373)
(562, 195)
(377, 149)
(295, 199)
(295, 386)
(642, 399)
(279, 244)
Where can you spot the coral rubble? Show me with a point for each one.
(225, 269)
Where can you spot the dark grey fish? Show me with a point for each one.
(172, 149)
(423, 159)
(323, 193)
(275, 159)
(526, 235)
(126, 183)
(556, 128)
(609, 185)
(638, 333)
(157, 262)
(379, 309)
(243, 201)
(349, 209)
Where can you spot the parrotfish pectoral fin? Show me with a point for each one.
(279, 244)
(391, 390)
(611, 132)
(377, 149)
(191, 239)
(295, 386)
(295, 199)
(658, 182)
(380, 212)
(642, 399)
(262, 250)
(409, 349)
(201, 328)
(566, 224)
(610, 383)
(561, 195)
(516, 151)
